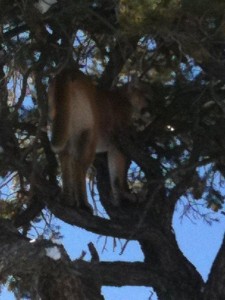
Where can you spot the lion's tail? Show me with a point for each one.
(60, 105)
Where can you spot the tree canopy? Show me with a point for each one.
(174, 50)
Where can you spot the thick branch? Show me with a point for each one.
(122, 273)
(103, 226)
(50, 272)
(215, 288)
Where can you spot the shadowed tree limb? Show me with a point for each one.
(46, 264)
(215, 284)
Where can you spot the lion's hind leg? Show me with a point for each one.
(83, 156)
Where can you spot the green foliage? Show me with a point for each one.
(136, 17)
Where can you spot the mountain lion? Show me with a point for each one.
(85, 120)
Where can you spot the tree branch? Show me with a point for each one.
(21, 258)
(215, 284)
(121, 229)
(122, 273)
(117, 57)
(47, 266)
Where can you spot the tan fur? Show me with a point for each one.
(85, 120)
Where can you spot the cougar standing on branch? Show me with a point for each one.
(85, 121)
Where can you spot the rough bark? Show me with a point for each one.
(214, 288)
(44, 274)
